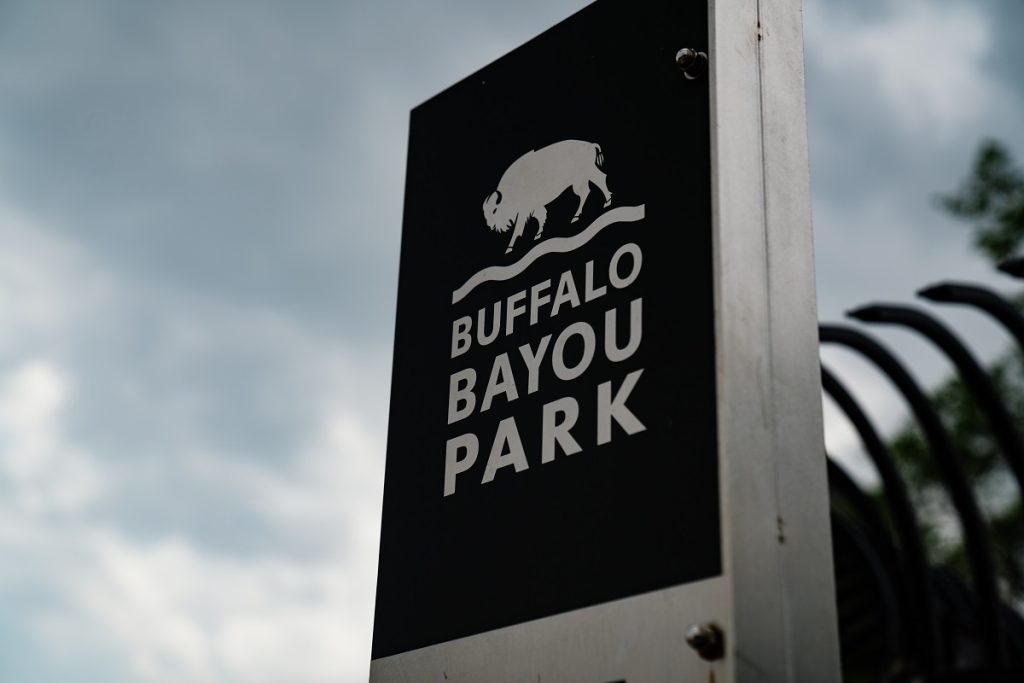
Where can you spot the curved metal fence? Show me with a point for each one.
(903, 616)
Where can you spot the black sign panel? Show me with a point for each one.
(552, 442)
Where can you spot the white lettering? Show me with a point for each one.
(461, 338)
(538, 299)
(589, 293)
(507, 435)
(556, 431)
(566, 293)
(532, 359)
(453, 465)
(611, 349)
(586, 333)
(483, 338)
(460, 388)
(609, 408)
(501, 382)
(512, 311)
(613, 267)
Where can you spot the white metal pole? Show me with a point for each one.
(775, 494)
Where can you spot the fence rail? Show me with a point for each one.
(903, 617)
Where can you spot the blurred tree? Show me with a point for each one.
(991, 200)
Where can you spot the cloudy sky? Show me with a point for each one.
(200, 208)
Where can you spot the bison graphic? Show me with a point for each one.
(537, 178)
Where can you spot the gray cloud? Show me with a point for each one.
(200, 219)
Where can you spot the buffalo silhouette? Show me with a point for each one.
(537, 178)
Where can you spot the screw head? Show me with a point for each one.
(686, 58)
(692, 63)
(707, 640)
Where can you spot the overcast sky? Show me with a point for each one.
(200, 210)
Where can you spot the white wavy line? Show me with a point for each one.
(552, 245)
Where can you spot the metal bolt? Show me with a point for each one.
(707, 640)
(692, 62)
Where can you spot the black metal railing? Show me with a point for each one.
(903, 617)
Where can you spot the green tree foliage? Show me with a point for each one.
(985, 466)
(991, 200)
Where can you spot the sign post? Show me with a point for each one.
(605, 458)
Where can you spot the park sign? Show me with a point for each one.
(605, 426)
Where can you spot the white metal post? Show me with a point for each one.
(775, 494)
